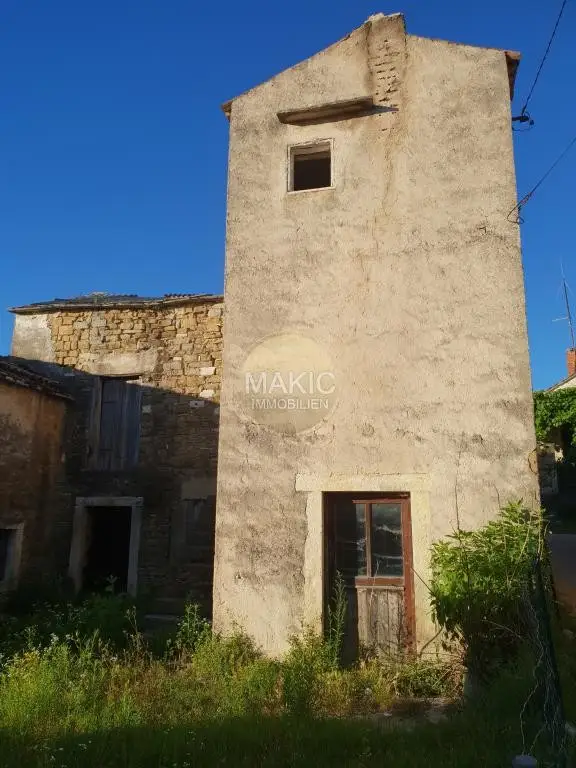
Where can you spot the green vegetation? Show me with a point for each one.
(74, 696)
(557, 410)
(82, 687)
(479, 582)
(79, 704)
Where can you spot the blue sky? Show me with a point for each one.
(113, 147)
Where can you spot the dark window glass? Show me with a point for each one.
(386, 539)
(350, 522)
(368, 539)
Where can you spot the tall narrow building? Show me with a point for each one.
(376, 386)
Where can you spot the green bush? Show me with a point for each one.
(309, 657)
(193, 630)
(29, 595)
(557, 410)
(479, 583)
(64, 686)
(112, 617)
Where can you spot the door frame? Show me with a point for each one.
(78, 546)
(310, 489)
(407, 580)
(9, 579)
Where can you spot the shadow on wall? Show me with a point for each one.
(126, 439)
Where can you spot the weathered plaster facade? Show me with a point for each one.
(172, 349)
(32, 416)
(407, 274)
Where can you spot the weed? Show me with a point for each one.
(337, 620)
(193, 630)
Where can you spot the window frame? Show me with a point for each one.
(317, 145)
(406, 530)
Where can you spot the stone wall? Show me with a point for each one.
(185, 342)
(176, 354)
(31, 427)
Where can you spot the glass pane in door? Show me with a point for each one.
(386, 539)
(350, 529)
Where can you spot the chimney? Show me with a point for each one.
(571, 361)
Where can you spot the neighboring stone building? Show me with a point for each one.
(377, 384)
(141, 440)
(32, 415)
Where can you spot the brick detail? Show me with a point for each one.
(386, 58)
(571, 361)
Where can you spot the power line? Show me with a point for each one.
(518, 207)
(547, 51)
(569, 314)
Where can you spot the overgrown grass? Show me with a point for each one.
(82, 699)
(83, 720)
(71, 694)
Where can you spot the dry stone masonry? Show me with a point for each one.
(172, 349)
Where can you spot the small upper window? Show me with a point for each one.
(310, 166)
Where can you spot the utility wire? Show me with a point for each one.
(569, 314)
(552, 36)
(524, 115)
(518, 207)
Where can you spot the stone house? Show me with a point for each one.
(32, 417)
(141, 439)
(376, 389)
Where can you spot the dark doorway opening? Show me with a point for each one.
(6, 541)
(108, 549)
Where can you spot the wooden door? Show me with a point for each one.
(369, 544)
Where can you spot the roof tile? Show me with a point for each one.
(95, 301)
(19, 376)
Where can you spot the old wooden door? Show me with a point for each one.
(369, 544)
